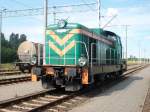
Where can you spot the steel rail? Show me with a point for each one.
(23, 98)
(14, 80)
(10, 72)
(135, 69)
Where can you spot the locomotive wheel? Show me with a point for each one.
(58, 87)
(74, 85)
(22, 70)
(29, 70)
(99, 79)
(118, 75)
(45, 82)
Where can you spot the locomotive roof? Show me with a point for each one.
(68, 26)
(104, 33)
(107, 33)
(98, 31)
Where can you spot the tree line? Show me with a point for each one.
(9, 47)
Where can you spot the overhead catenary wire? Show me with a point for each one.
(109, 21)
(39, 11)
(24, 5)
(89, 6)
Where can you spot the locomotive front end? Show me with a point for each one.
(66, 57)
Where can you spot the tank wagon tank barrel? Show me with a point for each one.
(29, 54)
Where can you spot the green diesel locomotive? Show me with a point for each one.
(76, 56)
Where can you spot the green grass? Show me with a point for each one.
(132, 62)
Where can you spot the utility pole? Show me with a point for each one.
(139, 53)
(99, 13)
(0, 34)
(144, 57)
(45, 27)
(99, 21)
(54, 14)
(126, 42)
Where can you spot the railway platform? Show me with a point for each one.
(126, 96)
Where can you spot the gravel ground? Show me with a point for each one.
(126, 96)
(19, 89)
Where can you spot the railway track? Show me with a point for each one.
(129, 67)
(10, 72)
(5, 81)
(134, 69)
(48, 100)
(37, 102)
(9, 76)
(6, 69)
(15, 80)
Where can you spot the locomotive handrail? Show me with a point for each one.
(91, 63)
(85, 47)
(99, 61)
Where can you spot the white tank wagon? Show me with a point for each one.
(29, 54)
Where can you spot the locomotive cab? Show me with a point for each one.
(66, 56)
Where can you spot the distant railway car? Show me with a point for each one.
(29, 54)
(77, 56)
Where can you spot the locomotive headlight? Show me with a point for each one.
(62, 23)
(33, 60)
(82, 61)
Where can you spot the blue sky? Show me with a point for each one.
(131, 12)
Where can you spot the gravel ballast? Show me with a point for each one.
(19, 89)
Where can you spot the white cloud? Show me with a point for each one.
(134, 16)
(147, 37)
